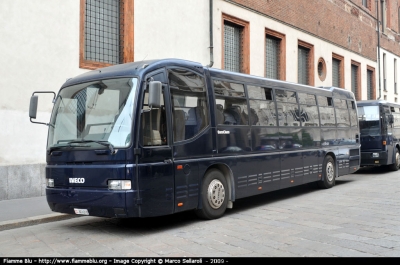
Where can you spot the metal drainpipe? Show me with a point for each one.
(211, 35)
(379, 47)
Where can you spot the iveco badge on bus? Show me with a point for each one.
(76, 180)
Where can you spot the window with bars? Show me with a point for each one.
(303, 65)
(354, 81)
(272, 53)
(336, 72)
(383, 15)
(395, 75)
(398, 19)
(235, 44)
(370, 85)
(106, 33)
(233, 47)
(384, 72)
(102, 34)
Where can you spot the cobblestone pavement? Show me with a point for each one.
(359, 217)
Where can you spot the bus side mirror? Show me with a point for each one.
(155, 88)
(33, 107)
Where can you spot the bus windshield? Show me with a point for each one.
(368, 117)
(93, 114)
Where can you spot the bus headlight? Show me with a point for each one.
(375, 154)
(119, 184)
(50, 183)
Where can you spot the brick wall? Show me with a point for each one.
(345, 23)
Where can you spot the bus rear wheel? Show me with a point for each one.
(395, 166)
(214, 195)
(328, 173)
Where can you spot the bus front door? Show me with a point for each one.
(156, 181)
(155, 163)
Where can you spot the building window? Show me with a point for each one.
(305, 64)
(384, 72)
(106, 33)
(235, 45)
(398, 20)
(337, 71)
(275, 60)
(355, 79)
(366, 3)
(383, 15)
(371, 91)
(395, 75)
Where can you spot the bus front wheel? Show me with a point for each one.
(396, 165)
(214, 195)
(328, 173)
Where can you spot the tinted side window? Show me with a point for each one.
(262, 113)
(342, 113)
(307, 99)
(224, 88)
(326, 111)
(231, 104)
(287, 108)
(285, 96)
(325, 101)
(288, 114)
(189, 103)
(353, 113)
(262, 106)
(308, 110)
(342, 117)
(256, 92)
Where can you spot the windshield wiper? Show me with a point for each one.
(69, 144)
(105, 143)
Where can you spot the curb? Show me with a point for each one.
(7, 225)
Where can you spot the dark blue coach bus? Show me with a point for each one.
(380, 133)
(158, 137)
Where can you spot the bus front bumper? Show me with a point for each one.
(378, 158)
(91, 202)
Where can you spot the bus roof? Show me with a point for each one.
(141, 68)
(377, 102)
(130, 69)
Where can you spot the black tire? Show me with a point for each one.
(328, 173)
(214, 195)
(395, 166)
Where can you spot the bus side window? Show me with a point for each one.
(262, 106)
(353, 114)
(231, 111)
(231, 102)
(189, 103)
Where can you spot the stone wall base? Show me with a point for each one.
(22, 181)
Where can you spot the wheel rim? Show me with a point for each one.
(216, 194)
(330, 173)
(397, 160)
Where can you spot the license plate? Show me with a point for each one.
(81, 211)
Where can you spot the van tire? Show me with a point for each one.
(396, 164)
(328, 173)
(214, 195)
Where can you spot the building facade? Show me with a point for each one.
(315, 42)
